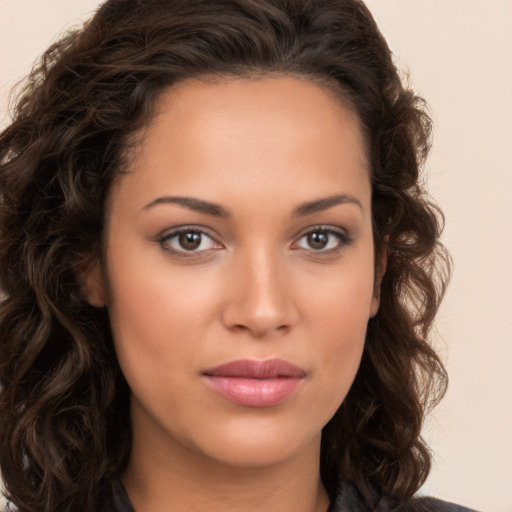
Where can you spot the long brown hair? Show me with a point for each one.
(64, 418)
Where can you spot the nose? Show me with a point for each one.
(260, 299)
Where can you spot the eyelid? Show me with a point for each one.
(345, 239)
(168, 234)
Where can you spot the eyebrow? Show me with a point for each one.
(325, 203)
(217, 210)
(192, 203)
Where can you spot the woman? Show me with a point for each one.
(220, 270)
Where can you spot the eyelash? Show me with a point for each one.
(166, 239)
(343, 240)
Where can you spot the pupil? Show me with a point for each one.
(317, 240)
(190, 240)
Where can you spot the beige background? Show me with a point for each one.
(459, 53)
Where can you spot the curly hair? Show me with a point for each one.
(63, 401)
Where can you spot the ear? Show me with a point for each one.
(91, 281)
(380, 269)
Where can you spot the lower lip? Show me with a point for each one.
(254, 392)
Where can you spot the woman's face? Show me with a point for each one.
(240, 269)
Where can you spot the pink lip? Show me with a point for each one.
(255, 383)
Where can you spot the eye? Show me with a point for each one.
(187, 241)
(325, 240)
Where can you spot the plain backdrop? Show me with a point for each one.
(459, 57)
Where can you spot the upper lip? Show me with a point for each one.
(253, 369)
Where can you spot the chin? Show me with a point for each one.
(259, 446)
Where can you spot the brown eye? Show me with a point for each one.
(323, 240)
(189, 240)
(317, 239)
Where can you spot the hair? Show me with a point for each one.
(64, 404)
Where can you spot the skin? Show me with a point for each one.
(255, 288)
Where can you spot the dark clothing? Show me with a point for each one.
(114, 499)
(350, 500)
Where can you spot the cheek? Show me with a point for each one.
(337, 321)
(155, 336)
(340, 300)
(152, 299)
(153, 315)
(340, 344)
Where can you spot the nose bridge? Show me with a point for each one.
(260, 300)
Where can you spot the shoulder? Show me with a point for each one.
(349, 498)
(427, 504)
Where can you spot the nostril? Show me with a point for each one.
(259, 331)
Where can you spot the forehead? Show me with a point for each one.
(247, 134)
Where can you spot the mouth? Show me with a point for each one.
(255, 383)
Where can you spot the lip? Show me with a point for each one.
(255, 383)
